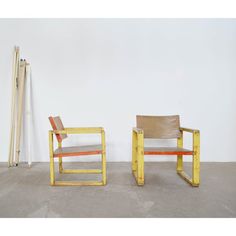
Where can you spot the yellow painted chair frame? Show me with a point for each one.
(138, 152)
(83, 130)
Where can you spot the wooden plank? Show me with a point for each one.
(78, 183)
(21, 89)
(28, 114)
(189, 130)
(52, 169)
(82, 130)
(15, 66)
(81, 171)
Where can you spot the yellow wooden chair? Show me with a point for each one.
(60, 152)
(163, 127)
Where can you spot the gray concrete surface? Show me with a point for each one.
(26, 192)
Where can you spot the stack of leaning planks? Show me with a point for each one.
(20, 104)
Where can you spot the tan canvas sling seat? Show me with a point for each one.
(78, 151)
(62, 152)
(163, 127)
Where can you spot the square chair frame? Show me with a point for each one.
(82, 130)
(138, 156)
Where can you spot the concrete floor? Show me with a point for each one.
(26, 192)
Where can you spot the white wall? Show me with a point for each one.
(102, 72)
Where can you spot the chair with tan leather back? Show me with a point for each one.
(61, 152)
(164, 127)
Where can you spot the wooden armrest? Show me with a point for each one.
(80, 130)
(189, 130)
(138, 130)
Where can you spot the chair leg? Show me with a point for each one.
(60, 160)
(196, 159)
(140, 157)
(104, 176)
(60, 165)
(52, 171)
(140, 171)
(195, 180)
(179, 166)
(134, 151)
